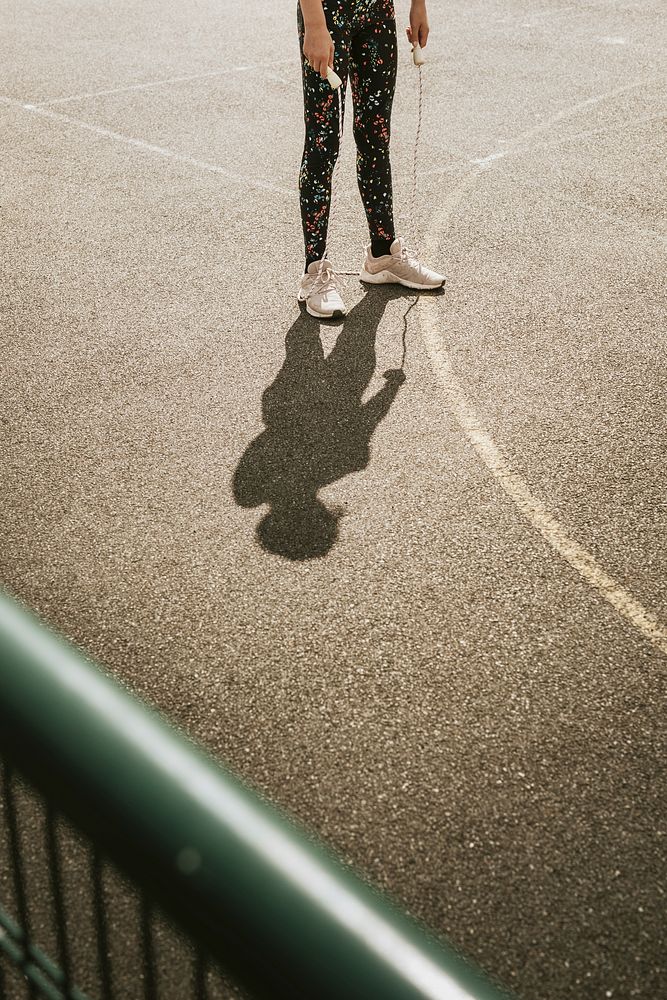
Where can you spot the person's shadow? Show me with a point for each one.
(317, 429)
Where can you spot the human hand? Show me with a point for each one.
(318, 48)
(419, 28)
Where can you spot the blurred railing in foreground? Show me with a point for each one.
(251, 892)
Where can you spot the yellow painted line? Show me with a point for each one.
(535, 512)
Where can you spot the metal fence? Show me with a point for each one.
(249, 891)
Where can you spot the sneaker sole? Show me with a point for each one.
(388, 278)
(336, 314)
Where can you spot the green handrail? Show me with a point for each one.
(278, 910)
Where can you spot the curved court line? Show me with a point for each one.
(513, 484)
(535, 512)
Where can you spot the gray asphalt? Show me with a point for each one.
(341, 601)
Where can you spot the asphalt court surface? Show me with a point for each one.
(449, 661)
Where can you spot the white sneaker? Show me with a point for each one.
(319, 291)
(400, 266)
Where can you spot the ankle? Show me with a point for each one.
(381, 247)
(312, 260)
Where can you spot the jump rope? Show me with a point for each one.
(335, 82)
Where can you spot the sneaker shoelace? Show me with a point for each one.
(325, 280)
(408, 254)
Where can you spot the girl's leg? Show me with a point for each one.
(320, 105)
(373, 66)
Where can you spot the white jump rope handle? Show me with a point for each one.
(418, 54)
(333, 78)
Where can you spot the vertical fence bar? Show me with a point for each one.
(200, 969)
(101, 929)
(59, 907)
(250, 887)
(3, 978)
(148, 949)
(16, 861)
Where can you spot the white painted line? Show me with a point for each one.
(148, 147)
(574, 109)
(516, 149)
(535, 512)
(169, 80)
(490, 157)
(562, 140)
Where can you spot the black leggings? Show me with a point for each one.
(364, 37)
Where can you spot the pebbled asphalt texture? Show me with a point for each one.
(304, 563)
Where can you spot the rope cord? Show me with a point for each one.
(334, 176)
(415, 159)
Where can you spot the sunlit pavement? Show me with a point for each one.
(430, 617)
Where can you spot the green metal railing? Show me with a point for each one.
(254, 894)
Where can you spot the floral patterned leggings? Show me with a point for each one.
(364, 37)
